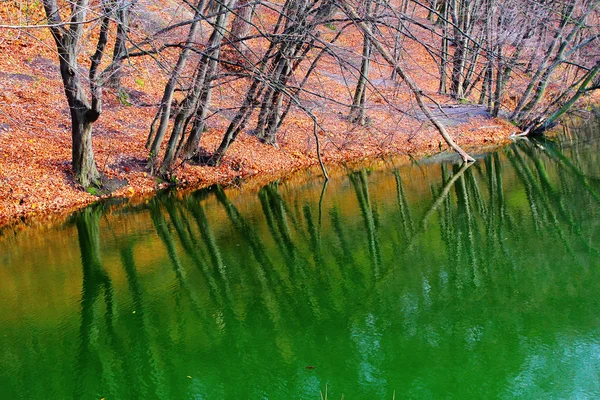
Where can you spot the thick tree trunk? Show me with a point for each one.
(83, 114)
(458, 64)
(358, 111)
(241, 25)
(486, 87)
(84, 166)
(84, 108)
(82, 118)
(499, 85)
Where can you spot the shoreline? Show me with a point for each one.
(245, 179)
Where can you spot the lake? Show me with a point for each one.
(425, 280)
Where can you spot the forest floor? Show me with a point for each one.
(36, 183)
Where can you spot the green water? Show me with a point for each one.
(424, 281)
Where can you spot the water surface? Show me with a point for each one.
(428, 280)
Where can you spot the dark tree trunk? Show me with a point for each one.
(82, 119)
(83, 113)
(84, 165)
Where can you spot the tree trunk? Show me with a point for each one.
(114, 72)
(444, 52)
(82, 118)
(84, 166)
(83, 114)
(357, 110)
(241, 25)
(156, 136)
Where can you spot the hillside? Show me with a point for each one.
(35, 137)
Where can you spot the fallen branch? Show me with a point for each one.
(414, 88)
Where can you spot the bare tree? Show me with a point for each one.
(357, 111)
(292, 38)
(84, 109)
(195, 105)
(157, 134)
(484, 45)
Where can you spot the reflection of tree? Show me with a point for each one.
(143, 383)
(265, 272)
(361, 188)
(247, 231)
(448, 228)
(553, 198)
(559, 211)
(482, 252)
(568, 165)
(405, 214)
(91, 362)
(191, 247)
(314, 229)
(195, 208)
(467, 230)
(546, 215)
(276, 215)
(346, 261)
(162, 229)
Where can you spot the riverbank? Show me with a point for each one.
(39, 188)
(36, 183)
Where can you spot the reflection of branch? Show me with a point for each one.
(439, 200)
(321, 202)
(434, 206)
